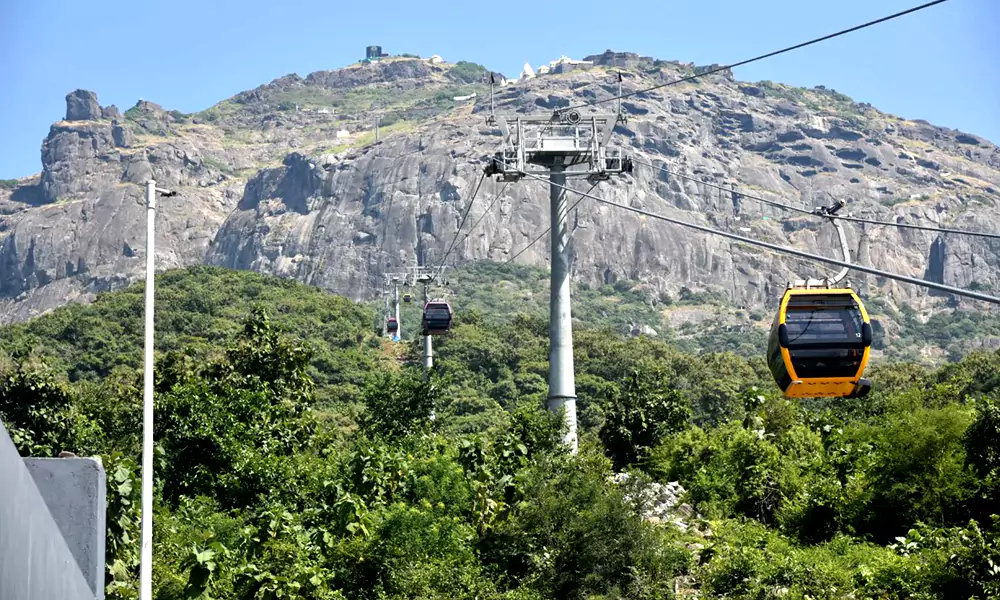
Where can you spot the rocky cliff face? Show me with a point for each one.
(288, 179)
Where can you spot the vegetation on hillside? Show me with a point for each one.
(297, 458)
(498, 291)
(467, 72)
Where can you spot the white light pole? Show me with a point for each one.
(146, 547)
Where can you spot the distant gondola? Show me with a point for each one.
(819, 344)
(391, 325)
(407, 298)
(437, 318)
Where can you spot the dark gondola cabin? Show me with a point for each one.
(437, 318)
(819, 344)
(406, 298)
(391, 325)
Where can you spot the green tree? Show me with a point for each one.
(226, 425)
(34, 407)
(399, 404)
(642, 410)
(982, 450)
(467, 72)
(918, 471)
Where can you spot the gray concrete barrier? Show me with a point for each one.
(36, 563)
(75, 491)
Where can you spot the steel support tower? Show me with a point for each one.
(392, 282)
(426, 276)
(411, 277)
(565, 144)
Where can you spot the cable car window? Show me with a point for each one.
(826, 321)
(809, 364)
(824, 335)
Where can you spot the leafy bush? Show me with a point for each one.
(398, 404)
(229, 424)
(297, 457)
(642, 411)
(35, 408)
(390, 119)
(467, 72)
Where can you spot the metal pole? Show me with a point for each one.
(492, 86)
(399, 325)
(620, 111)
(562, 387)
(146, 552)
(385, 313)
(428, 350)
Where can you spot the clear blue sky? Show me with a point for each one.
(941, 64)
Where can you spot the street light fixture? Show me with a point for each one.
(146, 552)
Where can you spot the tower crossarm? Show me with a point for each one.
(568, 140)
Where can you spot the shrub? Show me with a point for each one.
(467, 72)
(642, 410)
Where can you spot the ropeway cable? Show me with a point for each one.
(547, 229)
(756, 58)
(984, 234)
(489, 207)
(792, 251)
(465, 216)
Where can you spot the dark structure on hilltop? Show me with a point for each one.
(374, 53)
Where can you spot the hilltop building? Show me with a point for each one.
(374, 53)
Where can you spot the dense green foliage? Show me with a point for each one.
(496, 289)
(297, 458)
(199, 310)
(467, 72)
(955, 333)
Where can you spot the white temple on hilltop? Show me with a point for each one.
(527, 72)
(565, 60)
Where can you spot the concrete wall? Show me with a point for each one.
(35, 561)
(75, 491)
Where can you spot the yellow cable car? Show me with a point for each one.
(819, 344)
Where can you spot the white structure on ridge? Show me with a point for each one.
(527, 72)
(565, 60)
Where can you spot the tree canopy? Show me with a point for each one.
(301, 456)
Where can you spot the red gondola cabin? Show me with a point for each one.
(391, 325)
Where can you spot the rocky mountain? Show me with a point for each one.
(289, 179)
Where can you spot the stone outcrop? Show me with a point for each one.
(267, 183)
(82, 105)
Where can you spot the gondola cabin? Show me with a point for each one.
(407, 298)
(437, 317)
(392, 325)
(819, 344)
